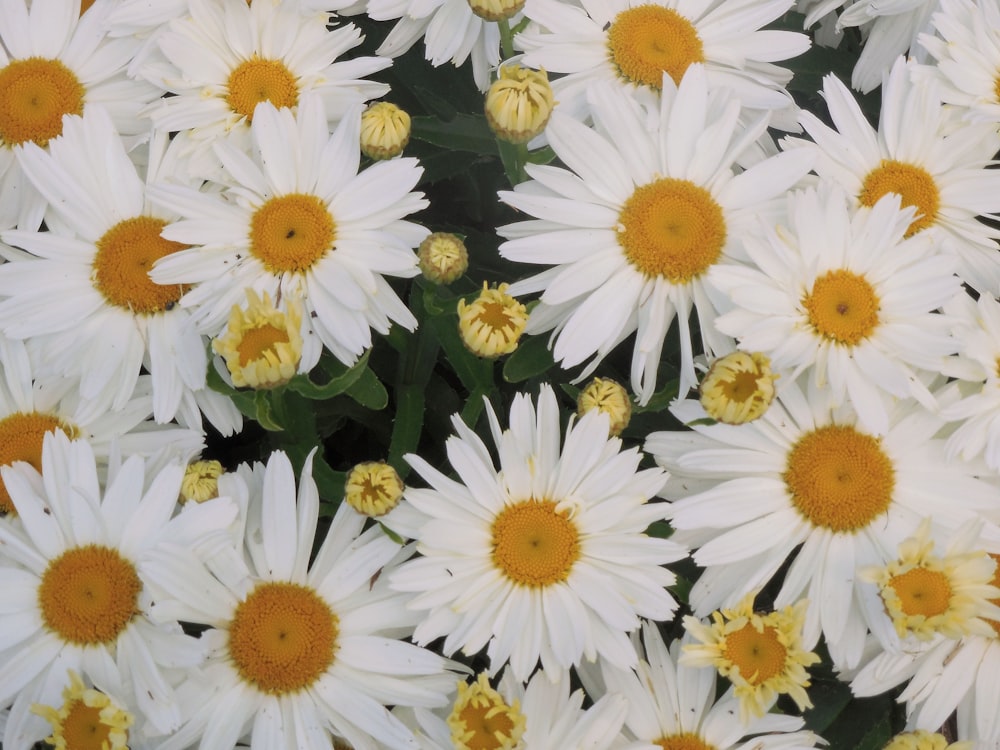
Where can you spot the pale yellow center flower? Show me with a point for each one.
(201, 481)
(921, 739)
(738, 387)
(373, 488)
(482, 720)
(609, 397)
(262, 346)
(87, 720)
(492, 324)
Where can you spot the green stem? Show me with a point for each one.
(506, 39)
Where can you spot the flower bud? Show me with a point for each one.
(443, 257)
(385, 131)
(519, 103)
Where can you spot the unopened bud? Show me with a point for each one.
(519, 103)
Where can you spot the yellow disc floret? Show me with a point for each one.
(672, 228)
(21, 438)
(610, 397)
(282, 638)
(761, 654)
(289, 233)
(262, 346)
(683, 741)
(738, 387)
(201, 481)
(385, 131)
(647, 41)
(89, 595)
(35, 93)
(913, 184)
(842, 307)
(125, 256)
(534, 544)
(519, 103)
(482, 720)
(839, 479)
(87, 720)
(926, 594)
(373, 488)
(258, 80)
(492, 324)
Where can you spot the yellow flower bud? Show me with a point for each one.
(609, 397)
(519, 103)
(373, 488)
(492, 324)
(496, 10)
(443, 257)
(262, 345)
(385, 131)
(738, 388)
(201, 481)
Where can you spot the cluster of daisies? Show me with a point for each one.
(199, 191)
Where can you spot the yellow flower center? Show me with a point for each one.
(87, 720)
(684, 741)
(283, 637)
(493, 323)
(373, 488)
(83, 730)
(257, 343)
(35, 93)
(85, 6)
(922, 591)
(125, 256)
(672, 228)
(839, 478)
(842, 307)
(738, 388)
(482, 720)
(649, 40)
(256, 80)
(913, 184)
(89, 594)
(759, 654)
(533, 544)
(290, 233)
(21, 437)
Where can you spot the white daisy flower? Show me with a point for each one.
(299, 651)
(631, 231)
(450, 29)
(55, 62)
(967, 55)
(31, 407)
(633, 43)
(672, 705)
(299, 222)
(542, 557)
(75, 595)
(807, 479)
(226, 57)
(919, 152)
(542, 715)
(844, 298)
(84, 297)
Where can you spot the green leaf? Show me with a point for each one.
(830, 697)
(462, 133)
(531, 358)
(368, 391)
(475, 373)
(342, 378)
(264, 414)
(706, 421)
(407, 425)
(660, 400)
(392, 534)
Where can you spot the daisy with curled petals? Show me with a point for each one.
(542, 557)
(301, 655)
(807, 479)
(75, 592)
(673, 706)
(634, 224)
(82, 295)
(298, 221)
(226, 57)
(919, 152)
(842, 296)
(966, 51)
(634, 43)
(542, 715)
(55, 62)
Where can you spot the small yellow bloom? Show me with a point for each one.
(923, 740)
(262, 345)
(761, 654)
(738, 388)
(443, 257)
(373, 488)
(496, 10)
(481, 718)
(385, 131)
(201, 481)
(493, 323)
(519, 103)
(87, 718)
(609, 397)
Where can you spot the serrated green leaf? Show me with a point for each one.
(368, 391)
(342, 378)
(462, 133)
(531, 358)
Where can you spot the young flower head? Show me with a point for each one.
(738, 387)
(385, 131)
(481, 718)
(609, 397)
(87, 718)
(201, 481)
(761, 654)
(921, 739)
(496, 10)
(492, 324)
(262, 345)
(373, 488)
(519, 103)
(443, 257)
